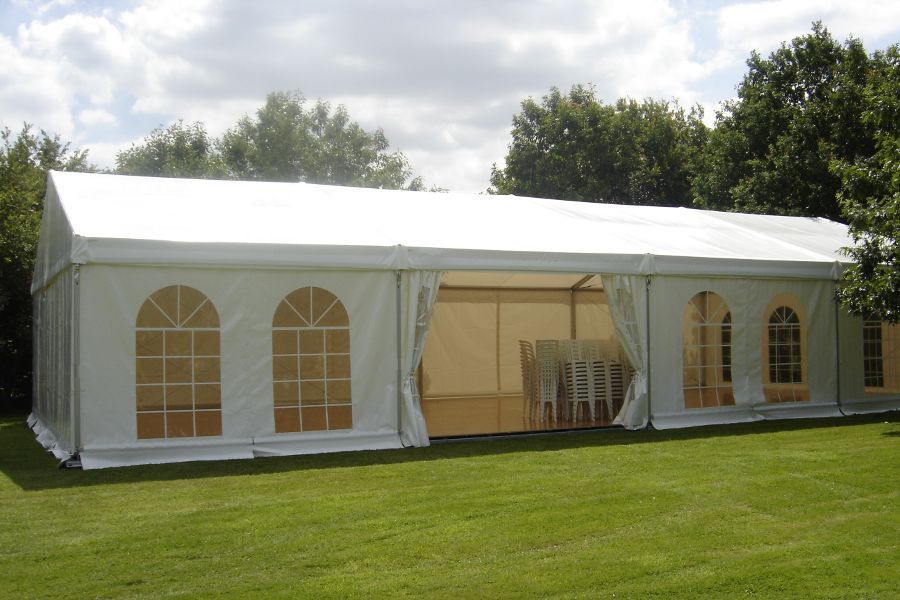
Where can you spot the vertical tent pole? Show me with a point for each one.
(74, 356)
(573, 326)
(647, 341)
(837, 351)
(497, 345)
(399, 359)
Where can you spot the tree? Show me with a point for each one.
(24, 162)
(575, 147)
(796, 113)
(178, 150)
(287, 141)
(870, 198)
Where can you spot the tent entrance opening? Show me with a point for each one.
(519, 352)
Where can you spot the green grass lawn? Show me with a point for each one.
(793, 509)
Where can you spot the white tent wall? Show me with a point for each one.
(54, 325)
(54, 334)
(245, 300)
(747, 300)
(854, 397)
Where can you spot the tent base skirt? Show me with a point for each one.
(745, 414)
(705, 416)
(47, 438)
(317, 444)
(871, 405)
(798, 410)
(185, 450)
(168, 451)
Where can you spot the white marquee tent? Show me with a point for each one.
(185, 319)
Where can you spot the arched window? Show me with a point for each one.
(706, 352)
(177, 373)
(311, 362)
(784, 356)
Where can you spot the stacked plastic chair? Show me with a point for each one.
(617, 379)
(579, 384)
(529, 379)
(547, 367)
(599, 363)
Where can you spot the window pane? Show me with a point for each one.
(706, 352)
(312, 331)
(177, 365)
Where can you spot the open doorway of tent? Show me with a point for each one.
(471, 377)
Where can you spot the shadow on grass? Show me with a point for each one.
(29, 467)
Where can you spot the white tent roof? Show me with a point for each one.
(116, 219)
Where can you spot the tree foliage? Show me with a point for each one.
(797, 111)
(288, 141)
(870, 198)
(178, 150)
(575, 147)
(25, 159)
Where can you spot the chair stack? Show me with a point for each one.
(599, 362)
(529, 380)
(547, 368)
(579, 383)
(617, 374)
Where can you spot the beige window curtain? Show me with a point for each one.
(419, 290)
(627, 297)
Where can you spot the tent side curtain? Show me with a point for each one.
(627, 299)
(53, 390)
(418, 292)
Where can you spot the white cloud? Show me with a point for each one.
(443, 79)
(31, 91)
(88, 54)
(763, 26)
(103, 154)
(40, 7)
(96, 117)
(160, 22)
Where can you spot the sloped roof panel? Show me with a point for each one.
(183, 221)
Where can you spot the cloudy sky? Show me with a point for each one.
(443, 78)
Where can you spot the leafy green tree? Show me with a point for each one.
(24, 161)
(178, 150)
(575, 147)
(797, 111)
(870, 198)
(288, 141)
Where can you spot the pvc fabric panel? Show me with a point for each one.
(419, 290)
(54, 330)
(592, 317)
(245, 301)
(529, 315)
(119, 219)
(54, 250)
(460, 354)
(856, 398)
(473, 346)
(627, 298)
(749, 302)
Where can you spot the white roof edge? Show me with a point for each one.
(116, 219)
